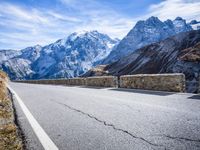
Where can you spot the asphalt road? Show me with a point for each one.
(80, 118)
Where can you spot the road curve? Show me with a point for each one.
(109, 119)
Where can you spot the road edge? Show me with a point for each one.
(44, 139)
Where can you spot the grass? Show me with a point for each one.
(9, 135)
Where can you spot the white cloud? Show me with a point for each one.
(170, 9)
(100, 17)
(35, 24)
(64, 18)
(21, 26)
(15, 12)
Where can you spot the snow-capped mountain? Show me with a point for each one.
(79, 52)
(146, 32)
(67, 57)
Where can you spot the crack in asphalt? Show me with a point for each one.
(181, 138)
(110, 125)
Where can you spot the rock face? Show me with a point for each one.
(17, 64)
(146, 32)
(99, 70)
(158, 82)
(17, 68)
(8, 54)
(65, 58)
(191, 54)
(177, 54)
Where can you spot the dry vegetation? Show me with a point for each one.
(9, 135)
(100, 70)
(191, 54)
(3, 75)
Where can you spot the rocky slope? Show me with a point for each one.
(67, 57)
(177, 54)
(146, 32)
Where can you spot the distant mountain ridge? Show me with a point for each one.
(146, 32)
(79, 52)
(65, 58)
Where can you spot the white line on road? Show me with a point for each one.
(46, 142)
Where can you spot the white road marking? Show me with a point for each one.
(46, 142)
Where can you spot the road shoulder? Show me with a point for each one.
(10, 135)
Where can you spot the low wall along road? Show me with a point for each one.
(158, 82)
(75, 81)
(103, 81)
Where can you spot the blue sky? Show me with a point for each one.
(29, 22)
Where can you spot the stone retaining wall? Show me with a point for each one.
(102, 81)
(158, 82)
(75, 81)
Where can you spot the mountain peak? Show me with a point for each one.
(179, 18)
(153, 18)
(83, 33)
(37, 46)
(180, 25)
(152, 21)
(195, 24)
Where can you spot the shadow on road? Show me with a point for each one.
(159, 93)
(197, 97)
(92, 87)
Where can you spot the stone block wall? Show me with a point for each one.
(102, 81)
(75, 81)
(158, 82)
